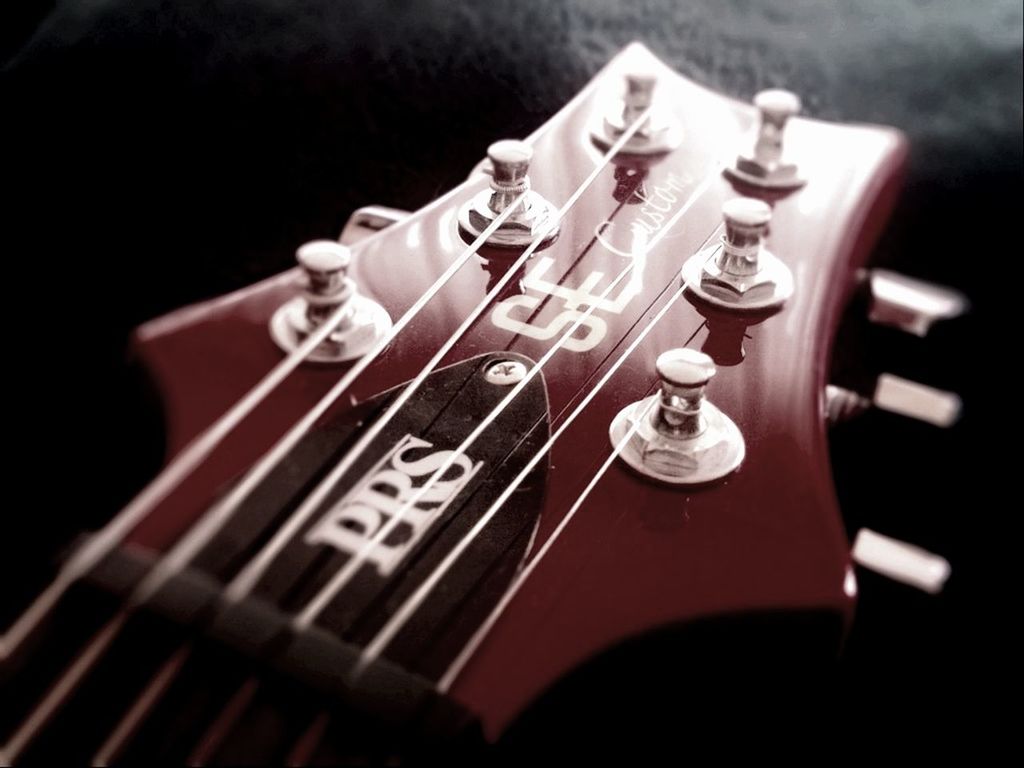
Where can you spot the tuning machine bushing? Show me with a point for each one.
(765, 165)
(533, 218)
(661, 132)
(739, 272)
(677, 436)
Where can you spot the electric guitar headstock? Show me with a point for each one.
(457, 455)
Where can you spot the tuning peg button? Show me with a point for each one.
(908, 398)
(677, 436)
(329, 292)
(909, 304)
(900, 561)
(896, 395)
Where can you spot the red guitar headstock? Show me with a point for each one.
(497, 472)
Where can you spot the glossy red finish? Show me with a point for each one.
(638, 555)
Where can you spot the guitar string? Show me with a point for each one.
(101, 544)
(110, 539)
(110, 748)
(206, 748)
(197, 536)
(411, 604)
(304, 747)
(347, 572)
(338, 582)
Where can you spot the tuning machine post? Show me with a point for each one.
(661, 132)
(677, 436)
(739, 273)
(533, 218)
(765, 164)
(327, 290)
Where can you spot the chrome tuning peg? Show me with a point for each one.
(896, 395)
(661, 132)
(534, 217)
(765, 164)
(677, 436)
(328, 288)
(739, 272)
(909, 304)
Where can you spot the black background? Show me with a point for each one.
(159, 153)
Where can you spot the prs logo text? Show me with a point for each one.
(383, 492)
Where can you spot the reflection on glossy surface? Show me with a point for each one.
(727, 330)
(629, 184)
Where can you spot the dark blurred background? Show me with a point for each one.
(158, 153)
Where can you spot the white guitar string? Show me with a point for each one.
(247, 578)
(405, 611)
(61, 689)
(195, 539)
(110, 748)
(455, 668)
(327, 593)
(473, 643)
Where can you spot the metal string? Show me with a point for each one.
(210, 522)
(474, 641)
(197, 536)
